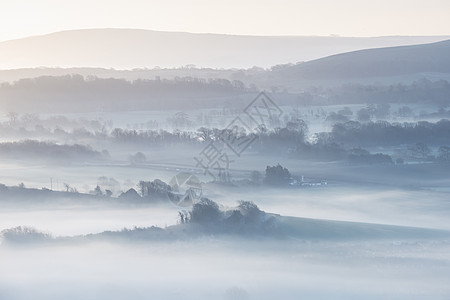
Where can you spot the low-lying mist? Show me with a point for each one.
(230, 268)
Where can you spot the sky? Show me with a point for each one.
(22, 18)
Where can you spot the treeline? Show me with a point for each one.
(76, 93)
(33, 121)
(422, 91)
(383, 133)
(290, 139)
(33, 149)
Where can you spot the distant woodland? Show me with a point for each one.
(75, 93)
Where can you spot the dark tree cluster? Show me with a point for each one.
(154, 190)
(24, 234)
(277, 176)
(290, 136)
(245, 218)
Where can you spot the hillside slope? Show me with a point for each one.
(380, 62)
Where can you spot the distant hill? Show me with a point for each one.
(381, 62)
(135, 48)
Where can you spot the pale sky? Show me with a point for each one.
(22, 18)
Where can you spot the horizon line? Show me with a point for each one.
(222, 34)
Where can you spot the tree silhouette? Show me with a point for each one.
(277, 176)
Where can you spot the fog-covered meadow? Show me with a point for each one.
(228, 268)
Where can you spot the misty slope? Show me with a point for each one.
(329, 229)
(134, 48)
(390, 61)
(315, 229)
